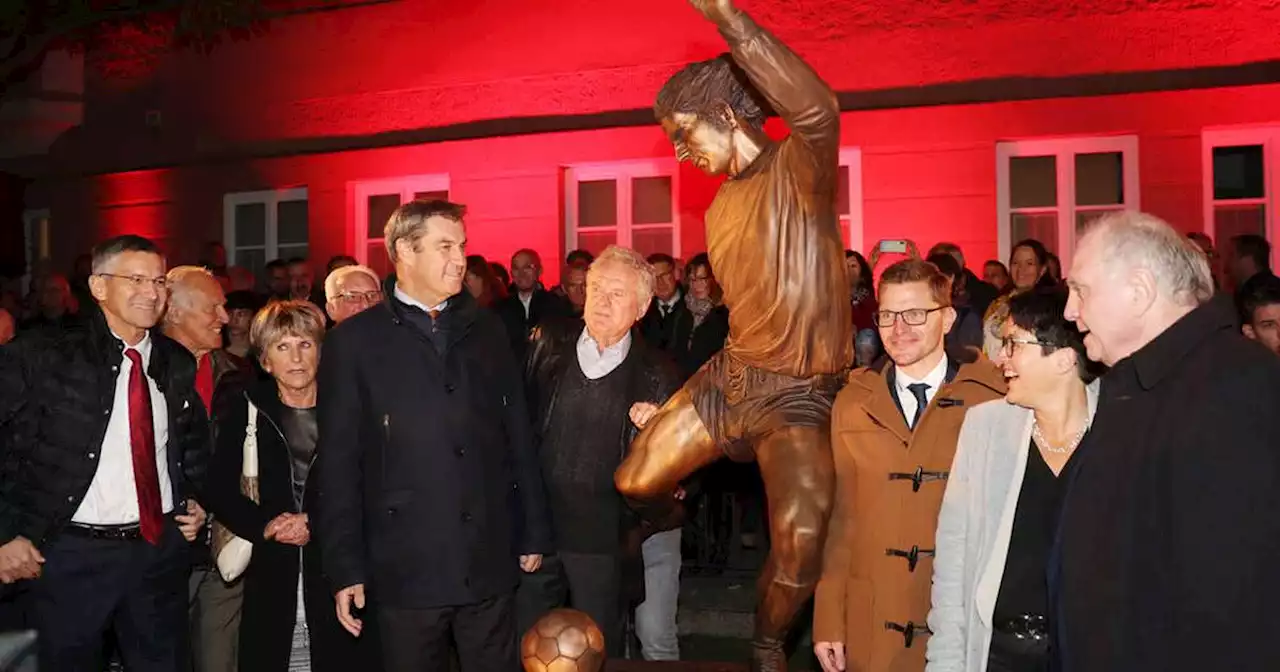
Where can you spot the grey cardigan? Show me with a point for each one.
(974, 526)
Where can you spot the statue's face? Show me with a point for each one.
(705, 145)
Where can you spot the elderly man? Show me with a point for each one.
(349, 290)
(1167, 547)
(100, 419)
(431, 496)
(194, 318)
(586, 377)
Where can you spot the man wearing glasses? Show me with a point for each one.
(103, 434)
(349, 290)
(894, 430)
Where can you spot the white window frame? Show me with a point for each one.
(1269, 138)
(617, 171)
(271, 200)
(851, 158)
(1064, 150)
(406, 186)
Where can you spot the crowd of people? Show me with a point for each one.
(447, 466)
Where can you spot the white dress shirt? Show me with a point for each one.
(596, 364)
(666, 307)
(933, 379)
(112, 498)
(525, 300)
(410, 301)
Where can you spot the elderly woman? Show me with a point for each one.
(1000, 510)
(283, 572)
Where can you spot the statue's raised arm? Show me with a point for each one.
(787, 83)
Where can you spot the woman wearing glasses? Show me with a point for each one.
(1000, 510)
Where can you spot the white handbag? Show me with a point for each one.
(232, 553)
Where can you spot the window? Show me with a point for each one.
(1240, 182)
(1051, 189)
(632, 204)
(261, 226)
(849, 197)
(375, 201)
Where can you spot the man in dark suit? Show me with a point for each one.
(668, 313)
(105, 435)
(528, 303)
(1167, 547)
(431, 499)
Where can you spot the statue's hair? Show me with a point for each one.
(698, 87)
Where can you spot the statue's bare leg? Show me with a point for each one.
(672, 446)
(799, 479)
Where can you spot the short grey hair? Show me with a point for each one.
(331, 282)
(633, 260)
(285, 318)
(1140, 240)
(409, 222)
(178, 280)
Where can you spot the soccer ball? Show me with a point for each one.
(563, 640)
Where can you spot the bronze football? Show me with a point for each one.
(563, 640)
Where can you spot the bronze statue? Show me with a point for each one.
(773, 238)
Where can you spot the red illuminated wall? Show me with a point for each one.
(371, 72)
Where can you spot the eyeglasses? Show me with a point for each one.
(1007, 343)
(912, 317)
(138, 281)
(361, 297)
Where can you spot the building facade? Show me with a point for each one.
(979, 122)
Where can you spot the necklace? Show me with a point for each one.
(1043, 443)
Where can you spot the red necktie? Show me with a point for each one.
(204, 382)
(142, 436)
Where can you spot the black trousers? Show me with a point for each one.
(588, 582)
(132, 589)
(419, 639)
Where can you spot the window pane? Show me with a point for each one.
(1083, 219)
(254, 260)
(648, 241)
(1100, 179)
(1233, 220)
(598, 203)
(1033, 181)
(251, 224)
(377, 258)
(842, 191)
(291, 223)
(1238, 172)
(651, 200)
(432, 195)
(380, 208)
(1042, 226)
(291, 251)
(595, 241)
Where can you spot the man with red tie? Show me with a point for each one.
(102, 425)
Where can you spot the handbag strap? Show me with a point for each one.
(249, 466)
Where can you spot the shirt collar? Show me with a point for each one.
(404, 298)
(933, 379)
(621, 347)
(143, 347)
